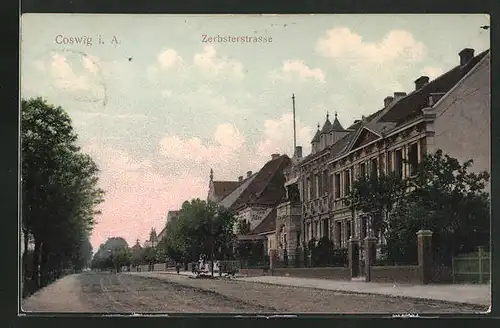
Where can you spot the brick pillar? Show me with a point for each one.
(273, 257)
(353, 252)
(370, 244)
(425, 255)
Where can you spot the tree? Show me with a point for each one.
(376, 196)
(448, 200)
(243, 227)
(111, 253)
(59, 189)
(201, 228)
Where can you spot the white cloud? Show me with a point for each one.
(294, 68)
(381, 64)
(91, 63)
(278, 136)
(432, 72)
(212, 64)
(169, 58)
(227, 142)
(396, 45)
(64, 77)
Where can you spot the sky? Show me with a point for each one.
(159, 100)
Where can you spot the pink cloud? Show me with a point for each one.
(139, 196)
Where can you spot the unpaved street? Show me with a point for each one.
(141, 293)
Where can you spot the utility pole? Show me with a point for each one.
(294, 128)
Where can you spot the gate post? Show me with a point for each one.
(353, 253)
(425, 255)
(370, 244)
(273, 257)
(480, 251)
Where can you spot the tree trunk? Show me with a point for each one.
(36, 262)
(44, 274)
(25, 254)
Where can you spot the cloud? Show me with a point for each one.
(278, 136)
(213, 65)
(396, 45)
(294, 68)
(169, 58)
(227, 141)
(138, 196)
(432, 72)
(64, 76)
(140, 192)
(380, 66)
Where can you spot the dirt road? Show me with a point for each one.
(129, 293)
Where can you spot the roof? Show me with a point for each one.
(316, 136)
(327, 127)
(400, 112)
(336, 124)
(267, 187)
(267, 225)
(412, 105)
(230, 199)
(224, 188)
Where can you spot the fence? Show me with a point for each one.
(472, 267)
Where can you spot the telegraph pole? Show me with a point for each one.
(294, 128)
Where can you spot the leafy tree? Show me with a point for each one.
(201, 228)
(243, 227)
(376, 195)
(59, 189)
(448, 200)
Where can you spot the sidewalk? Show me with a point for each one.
(469, 294)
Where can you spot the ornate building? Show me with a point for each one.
(393, 139)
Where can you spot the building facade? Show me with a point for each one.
(254, 199)
(438, 114)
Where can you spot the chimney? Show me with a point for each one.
(399, 95)
(388, 101)
(466, 55)
(240, 178)
(298, 152)
(274, 156)
(249, 173)
(421, 81)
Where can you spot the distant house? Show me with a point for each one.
(170, 216)
(254, 199)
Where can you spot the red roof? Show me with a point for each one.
(224, 188)
(267, 225)
(411, 106)
(268, 186)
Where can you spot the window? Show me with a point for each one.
(325, 182)
(325, 228)
(389, 162)
(347, 183)
(309, 189)
(337, 185)
(413, 158)
(317, 186)
(381, 164)
(331, 183)
(316, 229)
(364, 227)
(374, 167)
(362, 170)
(348, 227)
(338, 233)
(398, 162)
